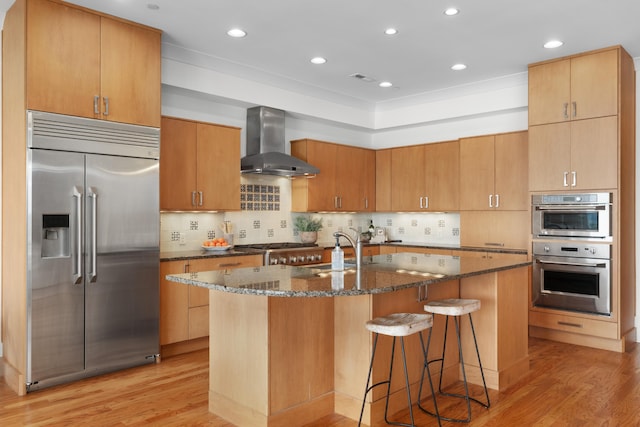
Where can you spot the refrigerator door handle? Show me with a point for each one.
(93, 273)
(77, 273)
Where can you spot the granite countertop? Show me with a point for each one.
(379, 274)
(202, 253)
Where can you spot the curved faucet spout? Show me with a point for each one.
(357, 245)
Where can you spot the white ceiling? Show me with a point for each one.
(494, 38)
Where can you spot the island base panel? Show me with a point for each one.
(240, 415)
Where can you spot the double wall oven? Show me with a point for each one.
(572, 252)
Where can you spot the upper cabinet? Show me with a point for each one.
(419, 178)
(84, 64)
(580, 155)
(346, 181)
(584, 150)
(493, 172)
(575, 88)
(199, 166)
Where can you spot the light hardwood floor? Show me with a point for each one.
(568, 386)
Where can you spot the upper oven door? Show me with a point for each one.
(571, 221)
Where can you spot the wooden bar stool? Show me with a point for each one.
(397, 325)
(454, 307)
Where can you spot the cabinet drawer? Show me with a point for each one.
(198, 296)
(576, 325)
(198, 322)
(224, 263)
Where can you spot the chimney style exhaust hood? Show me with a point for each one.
(266, 146)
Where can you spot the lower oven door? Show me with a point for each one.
(575, 284)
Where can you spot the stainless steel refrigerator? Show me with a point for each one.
(93, 247)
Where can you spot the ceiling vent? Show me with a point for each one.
(362, 77)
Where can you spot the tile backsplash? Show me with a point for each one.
(271, 220)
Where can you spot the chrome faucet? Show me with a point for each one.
(357, 245)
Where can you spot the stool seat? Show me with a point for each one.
(452, 306)
(400, 324)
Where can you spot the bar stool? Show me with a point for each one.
(397, 325)
(456, 308)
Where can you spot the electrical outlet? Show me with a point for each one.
(183, 239)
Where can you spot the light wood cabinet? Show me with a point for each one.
(593, 150)
(346, 181)
(199, 166)
(493, 172)
(495, 229)
(580, 87)
(421, 178)
(350, 252)
(579, 155)
(84, 64)
(383, 180)
(184, 310)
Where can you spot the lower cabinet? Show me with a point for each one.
(184, 309)
(349, 252)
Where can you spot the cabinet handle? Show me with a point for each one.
(574, 325)
(490, 200)
(193, 198)
(574, 178)
(494, 244)
(106, 105)
(201, 198)
(96, 104)
(497, 200)
(426, 202)
(564, 182)
(231, 264)
(366, 203)
(566, 110)
(575, 109)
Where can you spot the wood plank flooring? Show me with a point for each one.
(568, 386)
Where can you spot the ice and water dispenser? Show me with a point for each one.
(55, 236)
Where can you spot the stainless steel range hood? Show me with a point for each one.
(266, 146)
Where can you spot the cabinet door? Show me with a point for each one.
(594, 149)
(495, 229)
(407, 178)
(594, 85)
(322, 188)
(369, 176)
(130, 76)
(511, 166)
(174, 305)
(549, 92)
(350, 179)
(177, 164)
(383, 180)
(218, 167)
(63, 59)
(442, 176)
(476, 172)
(549, 157)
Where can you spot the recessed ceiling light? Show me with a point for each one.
(236, 32)
(391, 31)
(451, 11)
(318, 60)
(152, 6)
(458, 67)
(385, 84)
(552, 44)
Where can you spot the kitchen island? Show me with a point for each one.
(288, 344)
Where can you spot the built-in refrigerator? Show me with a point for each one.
(93, 247)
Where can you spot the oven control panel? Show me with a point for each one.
(572, 249)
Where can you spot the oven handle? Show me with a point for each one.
(574, 264)
(572, 207)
